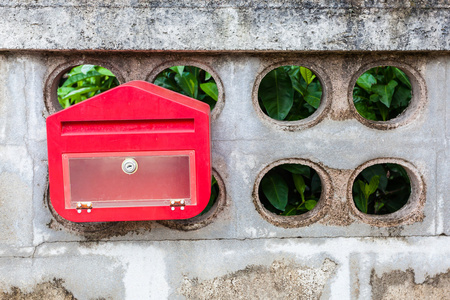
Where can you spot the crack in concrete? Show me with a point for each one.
(36, 248)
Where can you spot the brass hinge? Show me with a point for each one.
(177, 203)
(84, 205)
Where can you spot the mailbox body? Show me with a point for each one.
(135, 152)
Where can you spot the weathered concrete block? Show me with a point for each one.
(225, 25)
(16, 192)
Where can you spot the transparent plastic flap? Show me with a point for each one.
(128, 179)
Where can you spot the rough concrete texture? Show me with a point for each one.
(244, 143)
(238, 253)
(238, 250)
(401, 284)
(47, 290)
(281, 280)
(310, 268)
(225, 25)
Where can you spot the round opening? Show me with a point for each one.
(199, 84)
(83, 82)
(289, 93)
(290, 189)
(382, 93)
(215, 205)
(381, 189)
(213, 197)
(191, 81)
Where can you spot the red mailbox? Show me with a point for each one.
(135, 152)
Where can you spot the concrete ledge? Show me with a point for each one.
(231, 25)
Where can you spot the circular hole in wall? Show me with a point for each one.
(289, 93)
(290, 189)
(381, 189)
(83, 82)
(191, 81)
(399, 201)
(86, 229)
(382, 93)
(292, 192)
(199, 84)
(215, 205)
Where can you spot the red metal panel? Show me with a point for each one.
(135, 120)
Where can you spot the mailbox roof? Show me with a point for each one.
(126, 101)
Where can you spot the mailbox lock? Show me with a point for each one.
(129, 166)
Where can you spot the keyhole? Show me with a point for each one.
(129, 166)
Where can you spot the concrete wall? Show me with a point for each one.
(238, 250)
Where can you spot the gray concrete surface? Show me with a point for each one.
(225, 25)
(239, 254)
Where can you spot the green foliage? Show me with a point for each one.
(382, 93)
(290, 189)
(190, 81)
(198, 84)
(381, 189)
(213, 197)
(289, 93)
(84, 82)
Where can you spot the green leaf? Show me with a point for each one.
(80, 77)
(62, 91)
(366, 81)
(388, 73)
(213, 196)
(75, 70)
(105, 72)
(378, 206)
(384, 111)
(167, 83)
(310, 204)
(298, 85)
(299, 185)
(79, 92)
(277, 94)
(207, 76)
(297, 169)
(307, 75)
(385, 91)
(373, 185)
(402, 77)
(359, 99)
(178, 69)
(365, 111)
(210, 88)
(376, 170)
(188, 83)
(374, 98)
(361, 202)
(402, 97)
(275, 189)
(313, 97)
(64, 103)
(87, 68)
(290, 210)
